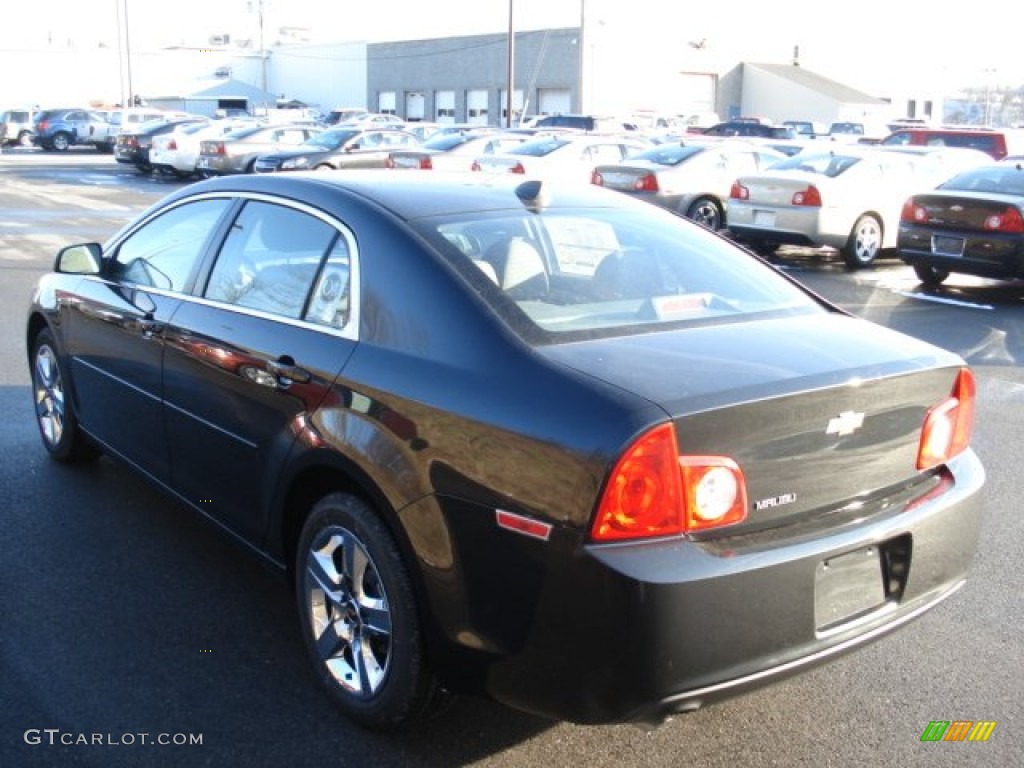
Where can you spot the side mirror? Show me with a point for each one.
(84, 259)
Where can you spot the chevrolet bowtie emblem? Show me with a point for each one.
(846, 423)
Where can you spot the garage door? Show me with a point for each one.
(415, 106)
(517, 106)
(386, 102)
(554, 101)
(444, 106)
(696, 93)
(476, 106)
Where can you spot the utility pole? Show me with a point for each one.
(582, 56)
(510, 94)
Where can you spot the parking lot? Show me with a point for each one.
(131, 627)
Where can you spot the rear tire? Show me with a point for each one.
(930, 277)
(864, 243)
(55, 410)
(358, 616)
(706, 211)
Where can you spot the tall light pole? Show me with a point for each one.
(120, 51)
(128, 55)
(582, 57)
(509, 95)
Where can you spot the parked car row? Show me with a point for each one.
(762, 191)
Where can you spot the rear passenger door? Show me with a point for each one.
(251, 357)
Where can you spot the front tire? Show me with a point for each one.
(930, 277)
(864, 243)
(706, 211)
(358, 615)
(55, 411)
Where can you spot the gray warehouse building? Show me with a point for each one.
(465, 79)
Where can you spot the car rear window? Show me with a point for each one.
(538, 147)
(561, 275)
(668, 154)
(1005, 180)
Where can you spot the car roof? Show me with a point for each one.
(416, 195)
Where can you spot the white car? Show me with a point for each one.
(846, 197)
(562, 156)
(176, 153)
(454, 151)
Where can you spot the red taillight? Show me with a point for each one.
(212, 148)
(172, 145)
(42, 126)
(948, 425)
(653, 491)
(913, 213)
(426, 164)
(596, 178)
(1009, 221)
(809, 197)
(475, 166)
(646, 183)
(517, 168)
(739, 192)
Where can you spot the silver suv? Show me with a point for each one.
(17, 126)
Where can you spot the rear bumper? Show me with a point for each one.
(991, 255)
(815, 227)
(639, 632)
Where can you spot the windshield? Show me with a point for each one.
(561, 275)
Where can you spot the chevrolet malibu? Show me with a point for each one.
(847, 197)
(551, 445)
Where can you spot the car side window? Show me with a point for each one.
(164, 251)
(290, 136)
(270, 259)
(329, 304)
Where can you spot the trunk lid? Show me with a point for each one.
(963, 211)
(819, 414)
(779, 187)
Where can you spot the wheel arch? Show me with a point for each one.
(321, 474)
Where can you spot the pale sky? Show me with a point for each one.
(865, 44)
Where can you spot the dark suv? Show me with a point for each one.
(581, 123)
(60, 129)
(751, 129)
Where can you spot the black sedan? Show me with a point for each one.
(547, 444)
(132, 147)
(973, 223)
(344, 147)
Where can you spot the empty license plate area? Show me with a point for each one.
(947, 246)
(764, 218)
(847, 586)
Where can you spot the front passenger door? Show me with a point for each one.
(116, 329)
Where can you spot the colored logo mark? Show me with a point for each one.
(958, 730)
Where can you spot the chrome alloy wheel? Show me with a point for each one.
(350, 617)
(48, 391)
